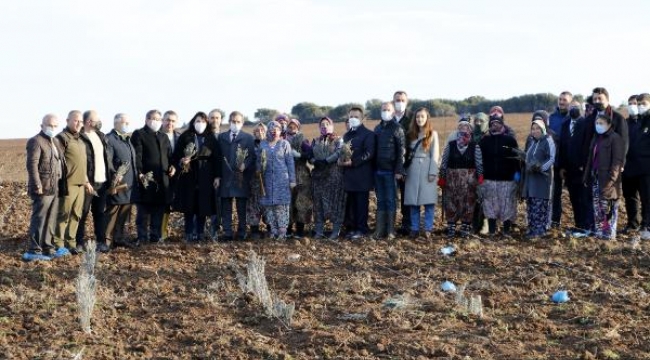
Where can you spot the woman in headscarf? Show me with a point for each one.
(327, 180)
(301, 204)
(255, 211)
(501, 172)
(603, 175)
(461, 170)
(197, 180)
(275, 162)
(540, 157)
(422, 158)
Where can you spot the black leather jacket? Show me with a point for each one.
(389, 155)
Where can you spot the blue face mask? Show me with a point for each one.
(601, 129)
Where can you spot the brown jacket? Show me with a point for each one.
(44, 166)
(611, 157)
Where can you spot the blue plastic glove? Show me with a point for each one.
(517, 176)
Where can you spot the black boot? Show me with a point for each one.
(300, 230)
(506, 228)
(255, 233)
(451, 230)
(492, 226)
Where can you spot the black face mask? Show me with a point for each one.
(599, 106)
(574, 113)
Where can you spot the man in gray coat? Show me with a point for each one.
(235, 181)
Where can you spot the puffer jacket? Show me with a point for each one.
(390, 148)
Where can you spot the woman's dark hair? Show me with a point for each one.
(605, 117)
(199, 114)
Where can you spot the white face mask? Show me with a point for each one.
(642, 109)
(633, 110)
(387, 115)
(154, 125)
(354, 122)
(124, 129)
(235, 127)
(400, 106)
(199, 127)
(49, 131)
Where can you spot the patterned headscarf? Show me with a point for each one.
(272, 125)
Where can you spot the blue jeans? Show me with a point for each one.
(428, 217)
(386, 191)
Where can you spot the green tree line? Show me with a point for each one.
(309, 112)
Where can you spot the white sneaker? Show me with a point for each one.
(645, 234)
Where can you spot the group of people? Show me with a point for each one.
(281, 181)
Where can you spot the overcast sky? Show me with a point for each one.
(132, 56)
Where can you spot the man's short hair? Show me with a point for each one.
(118, 117)
(356, 108)
(73, 113)
(234, 114)
(643, 97)
(566, 93)
(601, 90)
(400, 92)
(169, 113)
(633, 97)
(87, 114)
(151, 113)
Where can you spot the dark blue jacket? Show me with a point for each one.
(571, 155)
(359, 176)
(390, 147)
(555, 121)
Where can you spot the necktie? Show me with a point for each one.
(572, 127)
(233, 137)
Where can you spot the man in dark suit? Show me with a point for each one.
(358, 177)
(152, 152)
(571, 164)
(235, 181)
(169, 124)
(97, 175)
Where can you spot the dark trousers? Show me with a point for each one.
(215, 220)
(356, 211)
(578, 196)
(41, 225)
(194, 224)
(556, 214)
(405, 210)
(96, 204)
(636, 191)
(226, 215)
(148, 221)
(116, 218)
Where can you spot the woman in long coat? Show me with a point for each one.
(301, 203)
(603, 175)
(275, 162)
(423, 154)
(195, 186)
(540, 156)
(327, 180)
(461, 170)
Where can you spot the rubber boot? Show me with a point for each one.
(380, 227)
(451, 230)
(390, 226)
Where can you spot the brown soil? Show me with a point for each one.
(171, 300)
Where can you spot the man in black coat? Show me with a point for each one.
(600, 98)
(235, 181)
(358, 174)
(634, 168)
(152, 153)
(97, 175)
(403, 116)
(571, 162)
(639, 161)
